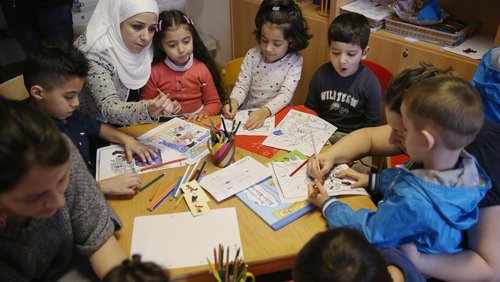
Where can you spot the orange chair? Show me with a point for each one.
(229, 74)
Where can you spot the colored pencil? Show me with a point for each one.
(315, 151)
(178, 201)
(298, 168)
(237, 127)
(195, 174)
(152, 182)
(163, 164)
(188, 179)
(177, 185)
(163, 196)
(201, 170)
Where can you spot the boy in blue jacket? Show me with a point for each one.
(436, 200)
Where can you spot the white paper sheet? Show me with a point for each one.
(474, 47)
(242, 115)
(234, 178)
(294, 188)
(181, 240)
(293, 133)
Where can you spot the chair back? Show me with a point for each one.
(229, 74)
(14, 89)
(383, 75)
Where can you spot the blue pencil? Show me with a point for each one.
(177, 185)
(201, 170)
(236, 130)
(161, 199)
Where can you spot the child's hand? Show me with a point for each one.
(234, 108)
(361, 178)
(196, 117)
(325, 163)
(317, 193)
(144, 152)
(172, 108)
(125, 184)
(256, 119)
(157, 106)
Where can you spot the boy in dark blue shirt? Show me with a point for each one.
(54, 77)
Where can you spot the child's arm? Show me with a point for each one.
(210, 99)
(125, 184)
(480, 263)
(242, 86)
(287, 89)
(132, 146)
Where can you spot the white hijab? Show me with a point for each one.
(103, 32)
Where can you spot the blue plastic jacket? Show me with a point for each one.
(487, 80)
(429, 214)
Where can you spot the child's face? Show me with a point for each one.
(34, 198)
(395, 121)
(345, 57)
(137, 31)
(415, 141)
(273, 43)
(62, 101)
(178, 44)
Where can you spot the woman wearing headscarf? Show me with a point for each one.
(117, 43)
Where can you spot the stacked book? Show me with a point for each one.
(374, 10)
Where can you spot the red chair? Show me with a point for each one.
(384, 75)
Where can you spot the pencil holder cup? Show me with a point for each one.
(222, 152)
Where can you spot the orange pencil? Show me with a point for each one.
(163, 164)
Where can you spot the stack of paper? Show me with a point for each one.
(374, 10)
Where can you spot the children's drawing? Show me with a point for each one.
(294, 188)
(242, 115)
(112, 161)
(234, 178)
(178, 136)
(293, 132)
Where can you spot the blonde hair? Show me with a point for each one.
(450, 104)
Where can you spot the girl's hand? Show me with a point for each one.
(172, 108)
(411, 251)
(125, 184)
(157, 106)
(325, 163)
(133, 146)
(234, 108)
(256, 119)
(361, 178)
(196, 117)
(317, 193)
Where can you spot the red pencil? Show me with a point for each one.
(163, 164)
(298, 168)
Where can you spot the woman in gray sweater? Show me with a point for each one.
(49, 203)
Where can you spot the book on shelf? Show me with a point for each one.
(263, 199)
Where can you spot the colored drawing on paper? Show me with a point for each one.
(179, 136)
(293, 132)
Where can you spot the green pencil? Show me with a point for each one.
(152, 182)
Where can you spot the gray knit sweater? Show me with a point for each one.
(43, 248)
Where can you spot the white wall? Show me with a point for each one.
(212, 17)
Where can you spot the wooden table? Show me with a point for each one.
(265, 250)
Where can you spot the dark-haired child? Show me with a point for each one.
(343, 91)
(183, 69)
(54, 77)
(134, 270)
(271, 71)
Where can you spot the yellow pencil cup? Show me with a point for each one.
(222, 152)
(248, 277)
